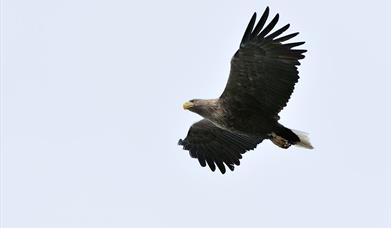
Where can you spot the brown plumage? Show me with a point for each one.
(262, 78)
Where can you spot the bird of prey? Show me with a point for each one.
(262, 78)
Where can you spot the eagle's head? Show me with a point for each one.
(205, 108)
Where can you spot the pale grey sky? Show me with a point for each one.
(91, 114)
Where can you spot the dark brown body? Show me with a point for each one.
(251, 122)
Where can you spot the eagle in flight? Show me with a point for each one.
(262, 78)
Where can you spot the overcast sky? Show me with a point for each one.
(91, 116)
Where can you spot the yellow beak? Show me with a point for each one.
(187, 105)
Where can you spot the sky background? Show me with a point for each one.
(91, 116)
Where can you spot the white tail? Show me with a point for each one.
(304, 139)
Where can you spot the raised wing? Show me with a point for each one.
(264, 69)
(215, 146)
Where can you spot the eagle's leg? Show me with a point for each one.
(279, 141)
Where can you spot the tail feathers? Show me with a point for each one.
(304, 139)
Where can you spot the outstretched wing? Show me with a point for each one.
(215, 146)
(264, 69)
